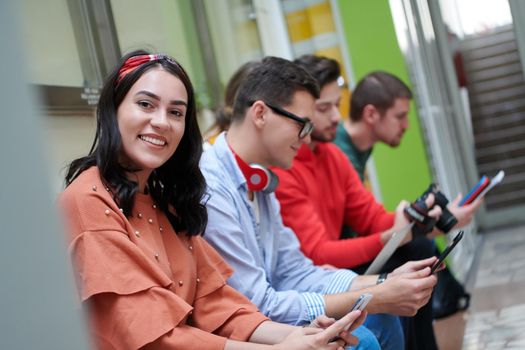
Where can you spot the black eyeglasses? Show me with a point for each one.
(307, 124)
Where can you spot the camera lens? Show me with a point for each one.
(446, 221)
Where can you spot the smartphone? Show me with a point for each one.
(359, 304)
(475, 191)
(484, 185)
(447, 251)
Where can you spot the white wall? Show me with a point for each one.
(67, 138)
(47, 36)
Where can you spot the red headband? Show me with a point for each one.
(134, 62)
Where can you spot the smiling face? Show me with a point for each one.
(327, 114)
(151, 121)
(280, 141)
(391, 126)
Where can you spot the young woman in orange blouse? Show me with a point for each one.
(134, 213)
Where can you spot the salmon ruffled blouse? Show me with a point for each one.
(143, 285)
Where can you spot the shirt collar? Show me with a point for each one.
(227, 158)
(341, 132)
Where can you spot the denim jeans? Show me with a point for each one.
(367, 339)
(387, 329)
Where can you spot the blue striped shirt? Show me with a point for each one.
(270, 268)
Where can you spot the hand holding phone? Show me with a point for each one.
(484, 185)
(360, 305)
(446, 252)
(475, 191)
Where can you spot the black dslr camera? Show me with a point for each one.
(418, 213)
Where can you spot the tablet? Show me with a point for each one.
(389, 249)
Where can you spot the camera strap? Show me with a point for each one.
(417, 212)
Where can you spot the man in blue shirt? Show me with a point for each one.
(270, 122)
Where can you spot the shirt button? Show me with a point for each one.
(198, 280)
(190, 247)
(181, 283)
(140, 215)
(94, 188)
(154, 206)
(150, 221)
(137, 233)
(107, 212)
(157, 256)
(161, 229)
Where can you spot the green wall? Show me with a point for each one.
(403, 172)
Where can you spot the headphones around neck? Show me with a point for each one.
(259, 178)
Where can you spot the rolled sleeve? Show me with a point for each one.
(315, 306)
(341, 282)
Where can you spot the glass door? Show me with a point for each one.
(433, 80)
(484, 47)
(468, 74)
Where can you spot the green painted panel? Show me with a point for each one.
(195, 63)
(403, 172)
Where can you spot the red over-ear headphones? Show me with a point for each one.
(258, 177)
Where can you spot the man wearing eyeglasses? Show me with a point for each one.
(271, 122)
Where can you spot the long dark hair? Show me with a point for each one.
(178, 183)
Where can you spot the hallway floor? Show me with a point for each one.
(496, 317)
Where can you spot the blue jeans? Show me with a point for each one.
(367, 339)
(387, 329)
